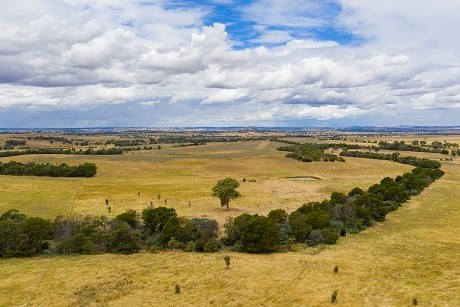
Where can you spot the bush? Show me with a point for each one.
(227, 261)
(174, 244)
(314, 238)
(191, 247)
(334, 296)
(329, 236)
(211, 247)
(285, 231)
(72, 245)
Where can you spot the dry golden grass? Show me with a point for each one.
(187, 174)
(413, 254)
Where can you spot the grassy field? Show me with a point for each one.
(186, 174)
(413, 254)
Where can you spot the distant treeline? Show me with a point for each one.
(51, 139)
(395, 157)
(49, 170)
(310, 152)
(190, 145)
(123, 143)
(12, 143)
(197, 139)
(62, 151)
(402, 146)
(435, 147)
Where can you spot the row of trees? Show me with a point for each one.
(314, 152)
(201, 139)
(9, 144)
(310, 152)
(124, 143)
(51, 139)
(62, 151)
(395, 157)
(22, 236)
(49, 170)
(402, 146)
(323, 222)
(435, 144)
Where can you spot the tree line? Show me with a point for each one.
(323, 222)
(51, 139)
(315, 152)
(127, 233)
(62, 151)
(310, 152)
(402, 146)
(36, 169)
(10, 144)
(395, 157)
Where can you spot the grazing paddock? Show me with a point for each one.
(411, 255)
(186, 174)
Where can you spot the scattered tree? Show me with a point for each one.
(225, 189)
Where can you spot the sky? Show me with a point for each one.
(179, 63)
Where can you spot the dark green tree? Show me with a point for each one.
(299, 226)
(225, 189)
(260, 235)
(234, 228)
(130, 217)
(122, 239)
(37, 230)
(156, 218)
(278, 215)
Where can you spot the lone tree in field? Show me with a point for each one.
(225, 189)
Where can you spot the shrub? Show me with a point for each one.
(174, 244)
(334, 296)
(314, 238)
(72, 245)
(211, 247)
(227, 261)
(191, 247)
(329, 236)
